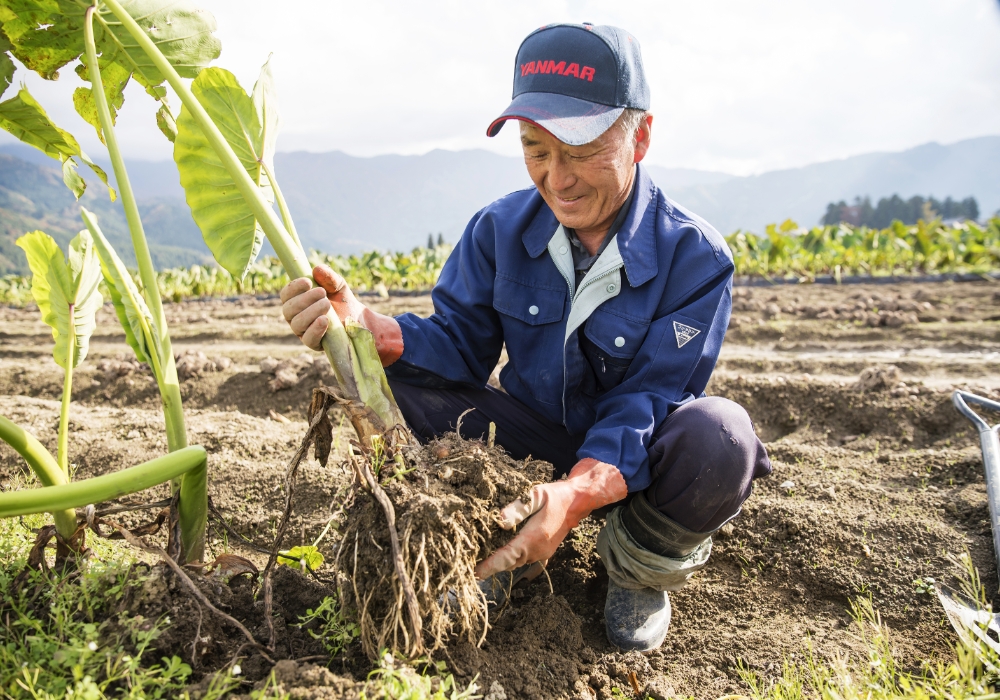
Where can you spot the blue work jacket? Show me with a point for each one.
(611, 358)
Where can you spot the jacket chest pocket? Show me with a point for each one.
(609, 343)
(531, 304)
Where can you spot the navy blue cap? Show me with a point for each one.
(575, 80)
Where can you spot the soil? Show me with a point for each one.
(876, 481)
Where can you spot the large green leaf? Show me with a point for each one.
(265, 104)
(181, 30)
(23, 117)
(226, 221)
(45, 34)
(48, 34)
(7, 67)
(166, 123)
(114, 77)
(65, 290)
(133, 314)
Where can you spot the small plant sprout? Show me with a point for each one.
(68, 299)
(331, 628)
(305, 556)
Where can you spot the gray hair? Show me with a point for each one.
(630, 120)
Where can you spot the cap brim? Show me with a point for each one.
(571, 120)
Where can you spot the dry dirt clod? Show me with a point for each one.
(288, 373)
(878, 378)
(193, 363)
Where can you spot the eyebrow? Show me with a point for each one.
(529, 141)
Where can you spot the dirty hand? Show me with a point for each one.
(554, 509)
(306, 310)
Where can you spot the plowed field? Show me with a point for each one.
(876, 480)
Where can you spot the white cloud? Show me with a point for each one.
(737, 86)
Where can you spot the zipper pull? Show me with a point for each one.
(604, 370)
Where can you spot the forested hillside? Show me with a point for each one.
(33, 196)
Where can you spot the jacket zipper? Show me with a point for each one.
(586, 284)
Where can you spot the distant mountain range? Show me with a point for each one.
(345, 204)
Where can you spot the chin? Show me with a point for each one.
(574, 219)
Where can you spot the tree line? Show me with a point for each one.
(895, 208)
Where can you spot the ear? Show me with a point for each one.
(642, 138)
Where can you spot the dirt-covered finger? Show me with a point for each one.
(305, 318)
(515, 513)
(294, 288)
(299, 303)
(313, 337)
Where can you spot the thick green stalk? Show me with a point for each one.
(286, 215)
(170, 391)
(336, 342)
(45, 467)
(66, 396)
(102, 488)
(192, 512)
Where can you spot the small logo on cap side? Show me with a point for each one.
(684, 333)
(572, 70)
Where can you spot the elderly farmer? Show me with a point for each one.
(613, 302)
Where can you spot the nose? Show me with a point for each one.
(560, 176)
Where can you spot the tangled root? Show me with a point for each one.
(446, 503)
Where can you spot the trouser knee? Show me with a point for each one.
(704, 459)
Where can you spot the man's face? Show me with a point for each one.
(583, 185)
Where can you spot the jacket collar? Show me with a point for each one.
(636, 238)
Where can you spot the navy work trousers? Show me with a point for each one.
(703, 457)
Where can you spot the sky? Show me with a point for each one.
(737, 87)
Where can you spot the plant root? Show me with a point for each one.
(316, 434)
(414, 544)
(199, 596)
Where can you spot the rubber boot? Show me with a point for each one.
(638, 619)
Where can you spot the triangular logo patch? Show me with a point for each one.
(684, 333)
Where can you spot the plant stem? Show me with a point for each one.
(192, 512)
(67, 394)
(45, 467)
(170, 391)
(286, 215)
(102, 488)
(336, 342)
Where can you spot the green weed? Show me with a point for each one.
(332, 629)
(877, 675)
(64, 635)
(395, 680)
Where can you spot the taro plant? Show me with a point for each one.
(46, 35)
(224, 141)
(224, 144)
(68, 298)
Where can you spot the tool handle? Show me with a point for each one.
(989, 442)
(962, 399)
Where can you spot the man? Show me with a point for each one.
(613, 303)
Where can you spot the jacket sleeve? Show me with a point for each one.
(667, 372)
(460, 343)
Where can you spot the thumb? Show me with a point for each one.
(329, 280)
(514, 513)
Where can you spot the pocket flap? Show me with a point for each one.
(531, 304)
(618, 337)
